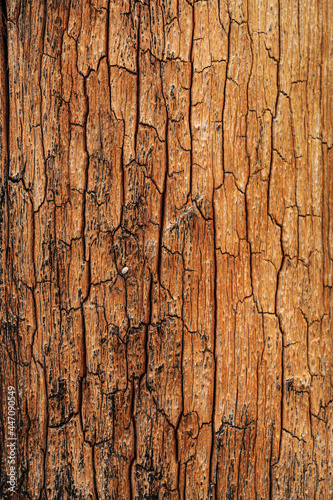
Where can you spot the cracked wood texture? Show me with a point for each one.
(190, 141)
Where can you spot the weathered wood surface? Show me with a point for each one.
(190, 141)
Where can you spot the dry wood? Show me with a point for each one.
(166, 265)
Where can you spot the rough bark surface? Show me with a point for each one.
(190, 141)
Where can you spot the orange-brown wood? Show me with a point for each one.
(191, 143)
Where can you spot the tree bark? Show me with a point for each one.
(166, 248)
